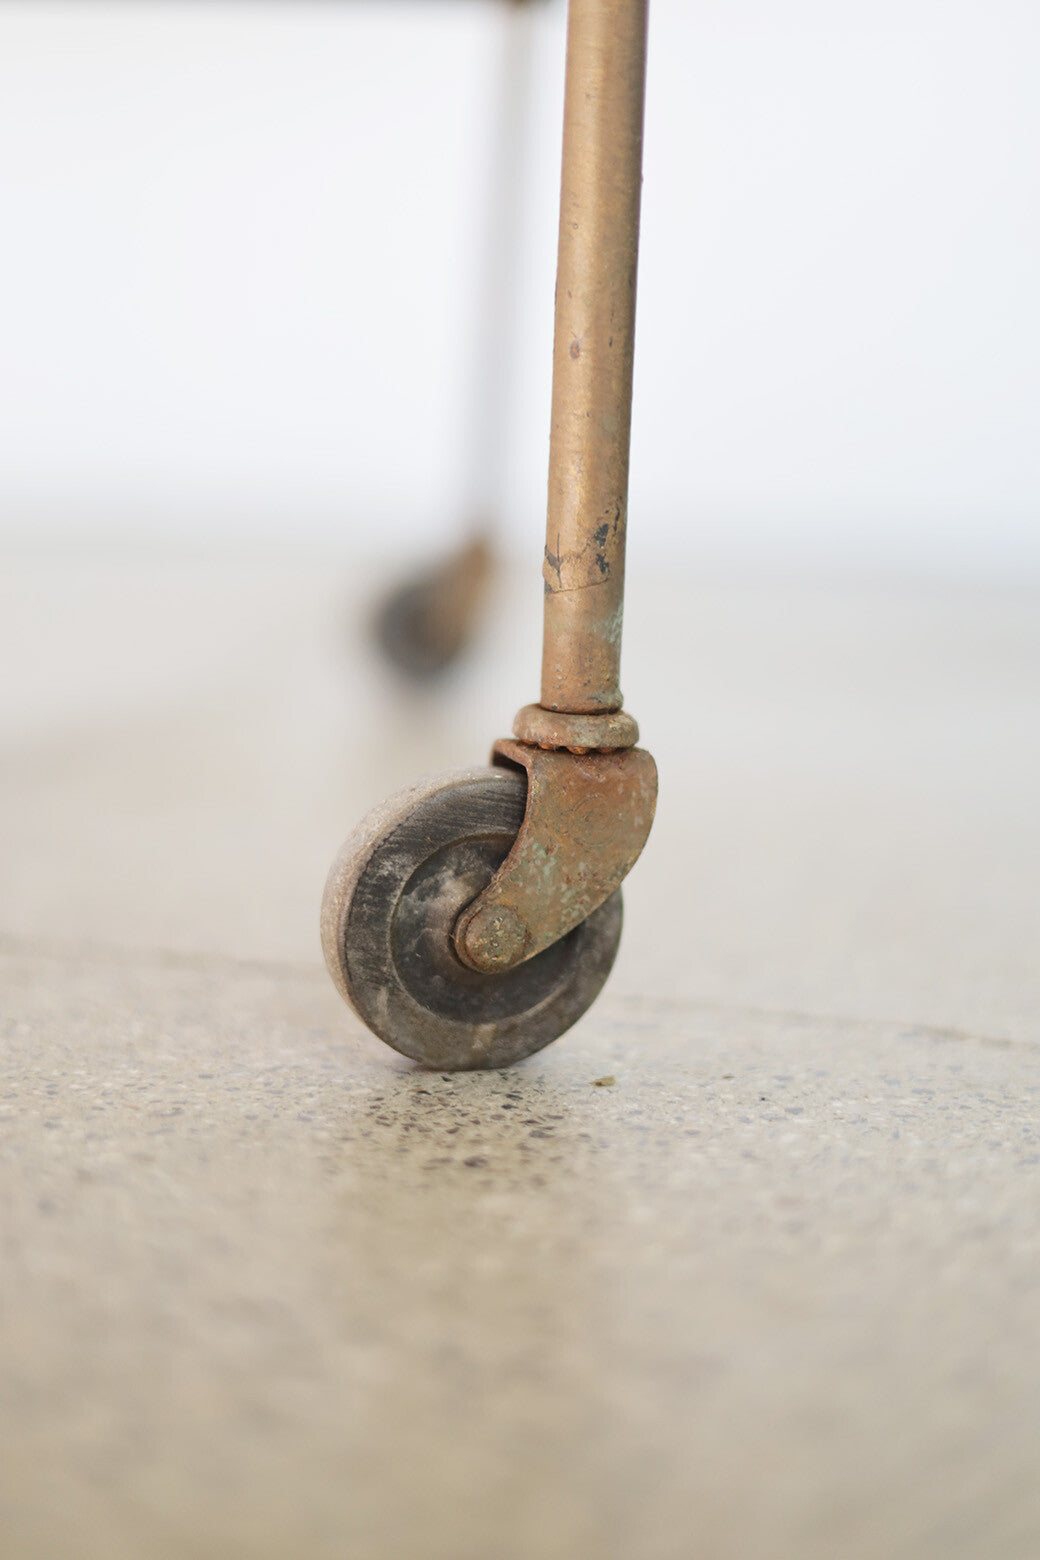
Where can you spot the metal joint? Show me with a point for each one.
(578, 733)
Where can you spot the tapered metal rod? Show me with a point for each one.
(592, 355)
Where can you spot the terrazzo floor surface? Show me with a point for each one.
(266, 1290)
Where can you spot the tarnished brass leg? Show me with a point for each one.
(589, 811)
(592, 355)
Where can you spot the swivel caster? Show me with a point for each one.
(394, 896)
(474, 918)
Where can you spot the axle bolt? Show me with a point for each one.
(493, 940)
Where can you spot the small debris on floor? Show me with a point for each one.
(604, 1083)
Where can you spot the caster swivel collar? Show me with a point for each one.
(474, 917)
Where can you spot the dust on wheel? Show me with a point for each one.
(391, 902)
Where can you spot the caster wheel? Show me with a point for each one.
(425, 625)
(391, 902)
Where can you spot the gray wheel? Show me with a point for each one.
(391, 902)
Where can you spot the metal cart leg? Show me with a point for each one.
(473, 919)
(425, 624)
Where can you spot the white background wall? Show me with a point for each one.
(238, 265)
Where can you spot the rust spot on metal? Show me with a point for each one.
(553, 563)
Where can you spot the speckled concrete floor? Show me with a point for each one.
(265, 1290)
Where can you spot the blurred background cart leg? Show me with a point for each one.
(426, 622)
